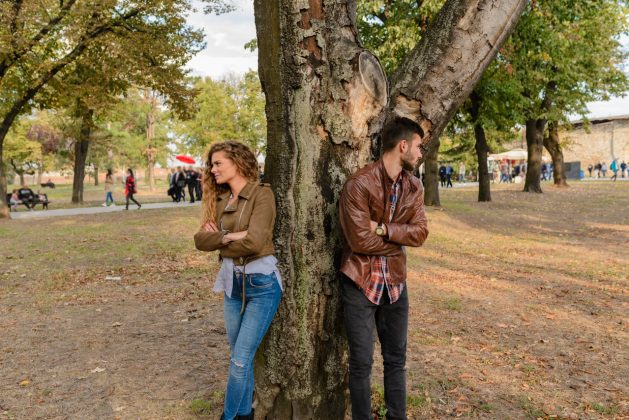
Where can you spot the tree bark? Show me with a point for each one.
(96, 176)
(4, 207)
(150, 136)
(551, 143)
(482, 150)
(81, 148)
(326, 101)
(534, 144)
(431, 168)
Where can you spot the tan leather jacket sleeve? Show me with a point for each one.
(260, 228)
(355, 218)
(208, 241)
(414, 232)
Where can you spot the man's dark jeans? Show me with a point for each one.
(391, 322)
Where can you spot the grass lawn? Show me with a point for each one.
(519, 310)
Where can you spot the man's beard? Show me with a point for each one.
(407, 163)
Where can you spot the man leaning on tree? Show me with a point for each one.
(381, 212)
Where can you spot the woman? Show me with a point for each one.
(238, 219)
(130, 189)
(109, 187)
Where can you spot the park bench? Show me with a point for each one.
(31, 201)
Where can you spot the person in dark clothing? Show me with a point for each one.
(442, 175)
(27, 197)
(180, 184)
(130, 189)
(191, 181)
(199, 188)
(590, 168)
(449, 172)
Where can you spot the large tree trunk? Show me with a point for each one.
(551, 143)
(96, 176)
(482, 150)
(326, 102)
(534, 144)
(431, 183)
(81, 148)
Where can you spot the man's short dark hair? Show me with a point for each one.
(399, 129)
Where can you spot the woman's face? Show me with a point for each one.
(223, 169)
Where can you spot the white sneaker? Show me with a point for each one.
(113, 204)
(104, 204)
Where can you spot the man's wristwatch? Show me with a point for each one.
(380, 230)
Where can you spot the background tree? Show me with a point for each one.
(230, 108)
(327, 98)
(565, 54)
(39, 40)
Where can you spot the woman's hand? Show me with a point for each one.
(209, 227)
(234, 236)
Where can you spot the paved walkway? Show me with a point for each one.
(38, 214)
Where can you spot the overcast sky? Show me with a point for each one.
(227, 34)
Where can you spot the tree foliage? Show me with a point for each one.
(227, 109)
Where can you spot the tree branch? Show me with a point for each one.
(17, 54)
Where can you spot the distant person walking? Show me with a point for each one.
(623, 168)
(449, 173)
(191, 181)
(614, 168)
(590, 168)
(442, 175)
(604, 169)
(461, 172)
(130, 189)
(597, 170)
(109, 187)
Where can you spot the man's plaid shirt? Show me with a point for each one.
(374, 290)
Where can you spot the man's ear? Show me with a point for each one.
(403, 145)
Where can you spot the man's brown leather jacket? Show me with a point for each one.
(362, 200)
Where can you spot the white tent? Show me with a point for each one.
(515, 154)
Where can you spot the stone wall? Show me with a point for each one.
(606, 140)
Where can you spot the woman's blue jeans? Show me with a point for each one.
(245, 333)
(109, 198)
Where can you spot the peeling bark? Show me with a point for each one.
(326, 101)
(551, 143)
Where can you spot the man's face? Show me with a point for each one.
(413, 153)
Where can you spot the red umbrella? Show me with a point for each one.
(185, 159)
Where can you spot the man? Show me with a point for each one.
(27, 197)
(180, 184)
(171, 184)
(381, 211)
(461, 172)
(191, 181)
(623, 168)
(442, 175)
(449, 172)
(614, 168)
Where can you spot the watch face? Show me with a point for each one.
(379, 231)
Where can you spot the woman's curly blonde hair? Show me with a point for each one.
(247, 165)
